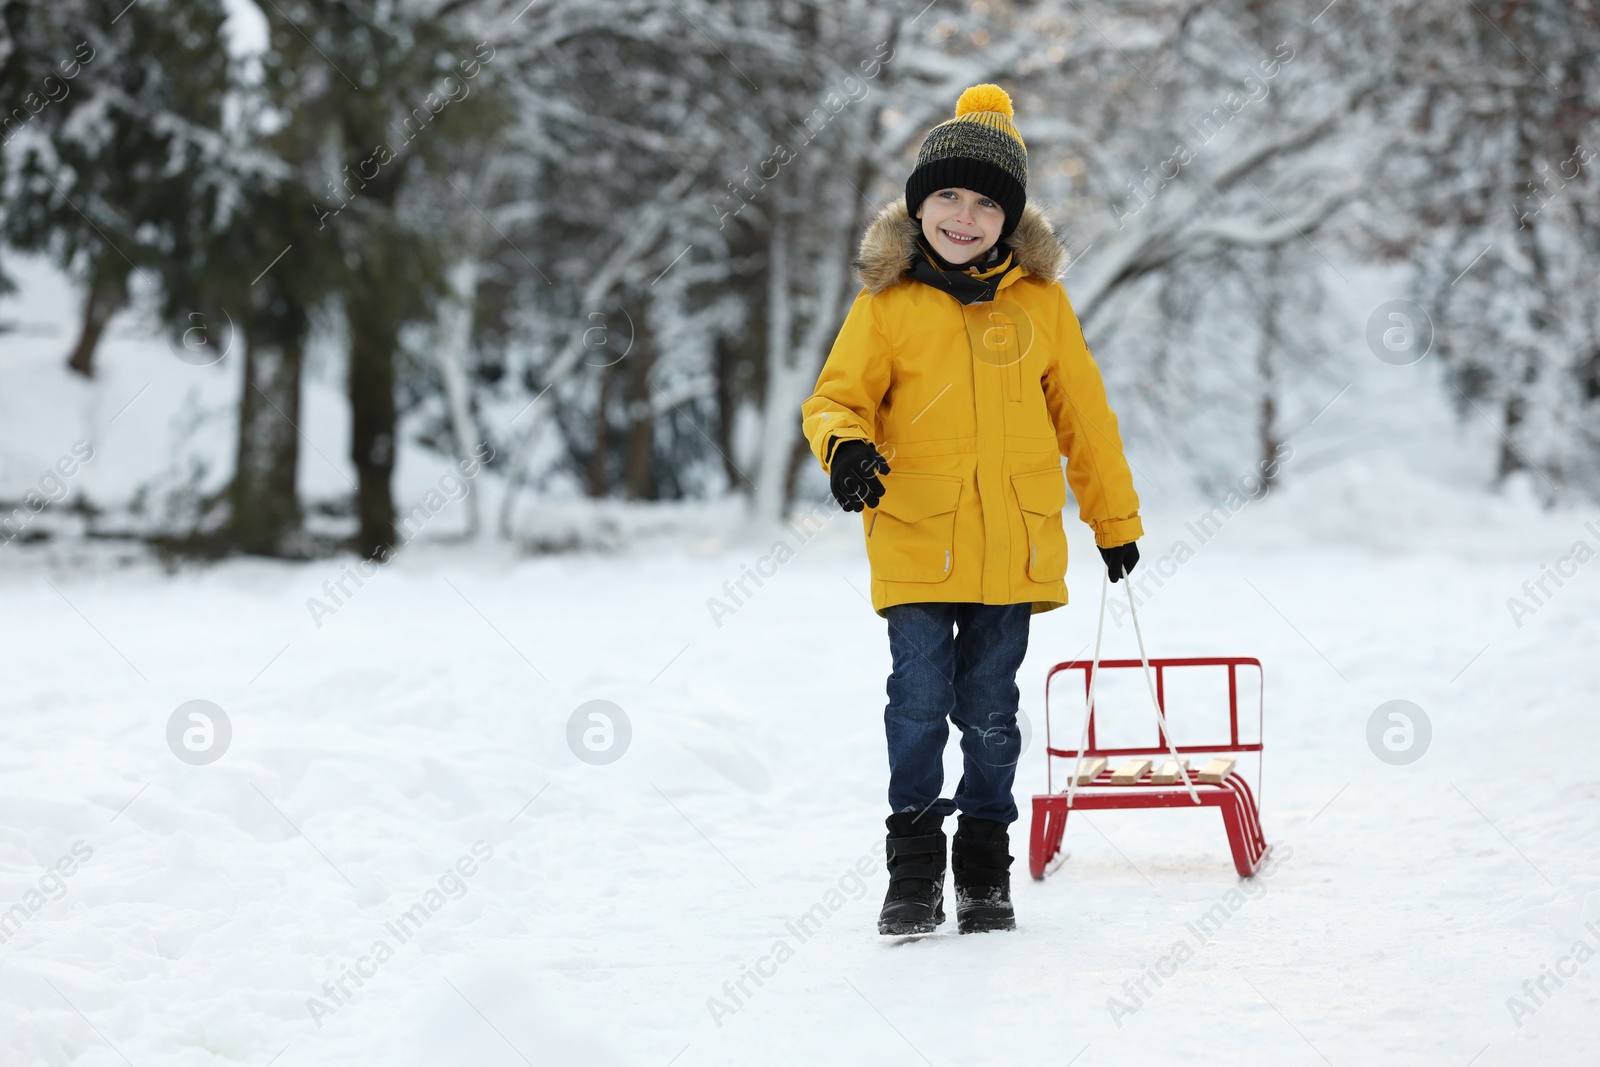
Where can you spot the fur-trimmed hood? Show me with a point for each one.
(889, 244)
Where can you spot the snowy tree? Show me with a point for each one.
(620, 247)
(377, 95)
(118, 120)
(1505, 101)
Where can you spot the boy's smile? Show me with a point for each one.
(961, 224)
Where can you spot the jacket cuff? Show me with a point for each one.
(1113, 532)
(833, 445)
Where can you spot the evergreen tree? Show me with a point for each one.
(118, 121)
(377, 97)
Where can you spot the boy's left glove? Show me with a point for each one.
(1120, 560)
(853, 474)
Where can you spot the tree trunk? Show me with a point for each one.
(799, 457)
(736, 360)
(1267, 417)
(1510, 460)
(725, 363)
(454, 349)
(639, 448)
(265, 505)
(373, 337)
(600, 450)
(106, 295)
(1525, 364)
(775, 414)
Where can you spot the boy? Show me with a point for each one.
(963, 357)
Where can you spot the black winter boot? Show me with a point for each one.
(980, 861)
(915, 855)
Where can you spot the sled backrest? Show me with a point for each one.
(1159, 746)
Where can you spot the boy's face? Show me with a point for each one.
(961, 224)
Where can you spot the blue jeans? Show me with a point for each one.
(970, 679)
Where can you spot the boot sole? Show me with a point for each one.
(901, 927)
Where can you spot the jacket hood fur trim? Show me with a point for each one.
(889, 243)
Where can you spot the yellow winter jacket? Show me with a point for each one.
(973, 406)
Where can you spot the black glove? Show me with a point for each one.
(853, 474)
(1120, 560)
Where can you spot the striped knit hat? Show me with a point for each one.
(980, 150)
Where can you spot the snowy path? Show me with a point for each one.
(429, 713)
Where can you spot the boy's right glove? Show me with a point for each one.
(1120, 560)
(853, 474)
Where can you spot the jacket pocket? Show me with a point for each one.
(912, 537)
(1041, 496)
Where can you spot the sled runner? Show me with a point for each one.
(1093, 783)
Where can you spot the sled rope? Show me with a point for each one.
(1088, 700)
(1094, 675)
(1150, 681)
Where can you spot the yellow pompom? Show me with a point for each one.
(984, 98)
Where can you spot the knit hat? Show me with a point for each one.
(980, 150)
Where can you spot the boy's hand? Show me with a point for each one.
(853, 474)
(1120, 560)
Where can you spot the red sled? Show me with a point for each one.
(1138, 783)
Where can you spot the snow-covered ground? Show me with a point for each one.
(430, 712)
(404, 750)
